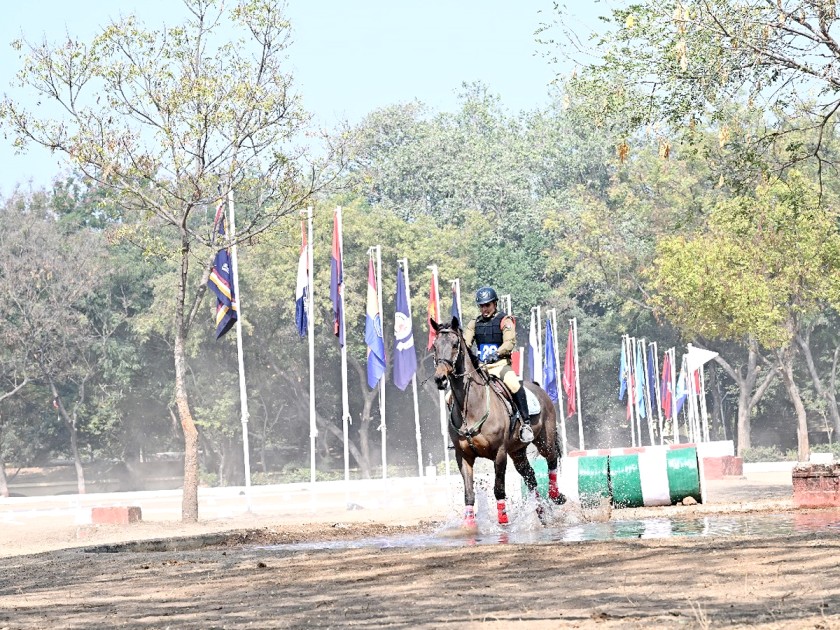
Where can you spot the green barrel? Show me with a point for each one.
(683, 474)
(593, 479)
(626, 481)
(540, 467)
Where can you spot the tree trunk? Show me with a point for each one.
(369, 398)
(717, 403)
(746, 377)
(71, 427)
(785, 357)
(4, 482)
(189, 500)
(827, 394)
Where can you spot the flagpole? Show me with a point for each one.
(703, 409)
(552, 314)
(404, 263)
(346, 419)
(674, 414)
(631, 395)
(573, 321)
(382, 427)
(243, 393)
(441, 396)
(313, 427)
(646, 392)
(657, 390)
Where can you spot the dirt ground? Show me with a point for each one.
(219, 574)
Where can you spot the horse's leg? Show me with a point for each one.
(466, 467)
(499, 488)
(547, 446)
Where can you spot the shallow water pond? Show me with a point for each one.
(449, 535)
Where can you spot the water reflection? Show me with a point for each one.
(524, 532)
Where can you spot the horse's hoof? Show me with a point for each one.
(559, 499)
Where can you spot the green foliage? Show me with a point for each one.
(767, 454)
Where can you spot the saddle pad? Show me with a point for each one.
(533, 402)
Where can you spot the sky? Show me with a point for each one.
(348, 58)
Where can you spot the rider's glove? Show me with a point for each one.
(492, 356)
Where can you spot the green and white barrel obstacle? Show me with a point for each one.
(632, 477)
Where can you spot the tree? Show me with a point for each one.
(679, 62)
(167, 119)
(766, 264)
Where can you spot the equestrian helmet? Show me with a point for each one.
(485, 295)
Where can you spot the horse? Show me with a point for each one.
(480, 425)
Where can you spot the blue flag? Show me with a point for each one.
(640, 382)
(455, 311)
(221, 281)
(373, 332)
(622, 373)
(651, 375)
(550, 364)
(302, 288)
(405, 357)
(682, 389)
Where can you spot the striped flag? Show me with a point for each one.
(373, 332)
(667, 394)
(405, 358)
(433, 309)
(221, 280)
(337, 278)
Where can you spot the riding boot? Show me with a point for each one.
(525, 433)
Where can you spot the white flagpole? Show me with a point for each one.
(404, 263)
(646, 394)
(243, 392)
(573, 321)
(631, 400)
(634, 344)
(703, 409)
(346, 419)
(674, 414)
(382, 426)
(658, 392)
(552, 314)
(310, 309)
(540, 352)
(441, 396)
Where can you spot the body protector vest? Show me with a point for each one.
(488, 334)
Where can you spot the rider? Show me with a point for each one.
(495, 334)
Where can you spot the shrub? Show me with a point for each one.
(768, 454)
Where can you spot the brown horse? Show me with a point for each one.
(480, 424)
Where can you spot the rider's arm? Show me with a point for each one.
(469, 333)
(508, 337)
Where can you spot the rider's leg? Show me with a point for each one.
(513, 384)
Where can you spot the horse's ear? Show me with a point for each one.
(435, 326)
(456, 325)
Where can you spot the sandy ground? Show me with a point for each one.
(222, 573)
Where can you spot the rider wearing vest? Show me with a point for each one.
(494, 333)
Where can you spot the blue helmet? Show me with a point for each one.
(485, 295)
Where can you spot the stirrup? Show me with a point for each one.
(526, 434)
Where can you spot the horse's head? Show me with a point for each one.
(447, 350)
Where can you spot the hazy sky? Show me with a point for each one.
(348, 58)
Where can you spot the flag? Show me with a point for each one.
(337, 279)
(667, 394)
(640, 382)
(682, 389)
(221, 281)
(302, 288)
(373, 332)
(651, 376)
(405, 358)
(698, 357)
(433, 309)
(550, 364)
(534, 358)
(622, 373)
(455, 311)
(569, 375)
